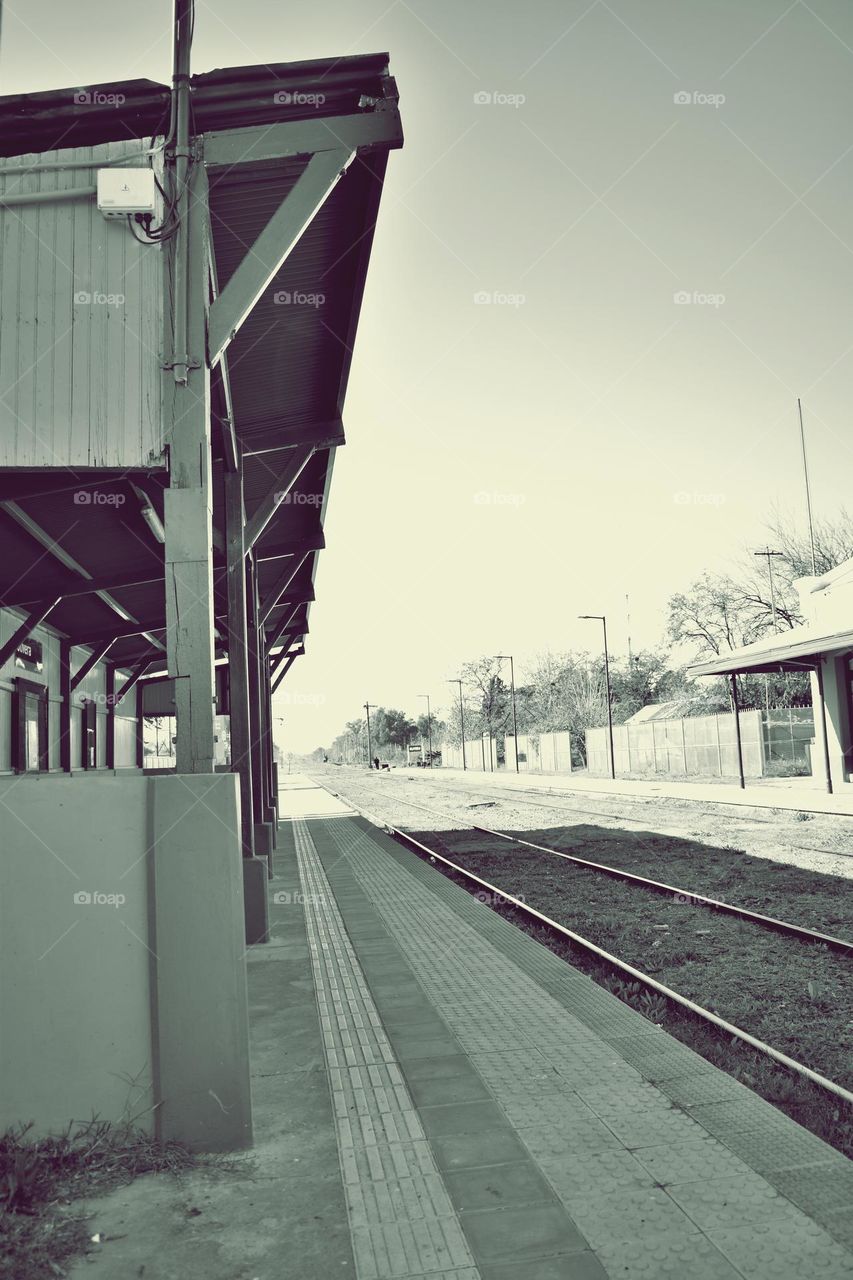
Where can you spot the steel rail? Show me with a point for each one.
(729, 1027)
(659, 886)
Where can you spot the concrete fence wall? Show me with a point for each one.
(540, 753)
(694, 746)
(122, 955)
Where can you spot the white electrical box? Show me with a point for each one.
(126, 191)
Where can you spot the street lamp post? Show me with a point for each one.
(461, 720)
(599, 617)
(502, 657)
(429, 725)
(367, 707)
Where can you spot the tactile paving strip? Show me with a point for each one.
(402, 1222)
(468, 966)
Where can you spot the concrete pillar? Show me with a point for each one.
(200, 1004)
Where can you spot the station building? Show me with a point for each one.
(172, 385)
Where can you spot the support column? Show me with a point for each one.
(65, 706)
(189, 505)
(110, 751)
(736, 709)
(256, 907)
(263, 828)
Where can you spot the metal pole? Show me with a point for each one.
(819, 674)
(367, 713)
(609, 707)
(429, 725)
(808, 488)
(514, 720)
(736, 707)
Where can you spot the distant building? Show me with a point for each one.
(823, 646)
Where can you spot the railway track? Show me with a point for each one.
(532, 914)
(528, 792)
(657, 886)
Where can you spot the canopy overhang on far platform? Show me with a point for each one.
(799, 649)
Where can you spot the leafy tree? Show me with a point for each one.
(493, 706)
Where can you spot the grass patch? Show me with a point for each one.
(41, 1232)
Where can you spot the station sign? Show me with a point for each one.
(29, 655)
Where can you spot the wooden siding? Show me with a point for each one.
(79, 380)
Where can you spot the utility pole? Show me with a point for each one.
(808, 487)
(461, 720)
(502, 657)
(429, 725)
(768, 554)
(599, 617)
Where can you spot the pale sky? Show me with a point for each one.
(584, 435)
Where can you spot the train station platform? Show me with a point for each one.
(807, 795)
(463, 1104)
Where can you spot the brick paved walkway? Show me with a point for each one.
(499, 1115)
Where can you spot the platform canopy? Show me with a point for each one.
(295, 153)
(798, 649)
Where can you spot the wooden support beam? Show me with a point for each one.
(264, 441)
(264, 259)
(238, 661)
(230, 147)
(253, 655)
(100, 651)
(275, 660)
(27, 626)
(189, 502)
(65, 705)
(222, 401)
(78, 586)
(110, 745)
(291, 658)
(313, 542)
(280, 587)
(282, 626)
(53, 548)
(278, 490)
(132, 680)
(140, 738)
